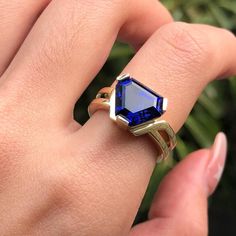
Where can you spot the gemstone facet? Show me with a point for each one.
(137, 103)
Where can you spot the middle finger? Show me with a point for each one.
(57, 62)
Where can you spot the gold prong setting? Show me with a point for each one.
(164, 104)
(122, 77)
(112, 105)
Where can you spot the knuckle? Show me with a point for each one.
(186, 43)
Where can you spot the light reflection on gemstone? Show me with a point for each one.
(136, 103)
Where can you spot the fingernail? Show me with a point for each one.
(216, 163)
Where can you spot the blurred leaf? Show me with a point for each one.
(220, 16)
(120, 51)
(233, 87)
(211, 124)
(211, 106)
(199, 132)
(182, 148)
(228, 5)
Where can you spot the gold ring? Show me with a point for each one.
(137, 109)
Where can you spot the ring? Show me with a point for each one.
(137, 109)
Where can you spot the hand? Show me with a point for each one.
(58, 178)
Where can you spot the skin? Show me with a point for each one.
(58, 178)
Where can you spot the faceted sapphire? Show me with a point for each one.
(136, 103)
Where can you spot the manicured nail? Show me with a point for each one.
(216, 163)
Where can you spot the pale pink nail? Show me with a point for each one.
(216, 163)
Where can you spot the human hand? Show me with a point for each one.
(58, 178)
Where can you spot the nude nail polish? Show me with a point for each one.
(216, 162)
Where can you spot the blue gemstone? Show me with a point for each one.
(136, 103)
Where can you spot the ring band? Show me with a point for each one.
(138, 109)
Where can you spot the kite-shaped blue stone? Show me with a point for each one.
(137, 103)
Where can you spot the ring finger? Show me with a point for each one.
(177, 62)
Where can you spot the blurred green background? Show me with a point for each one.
(214, 111)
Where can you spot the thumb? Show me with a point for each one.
(180, 204)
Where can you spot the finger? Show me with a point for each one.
(180, 205)
(142, 23)
(17, 17)
(176, 62)
(60, 60)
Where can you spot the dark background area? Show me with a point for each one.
(214, 111)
